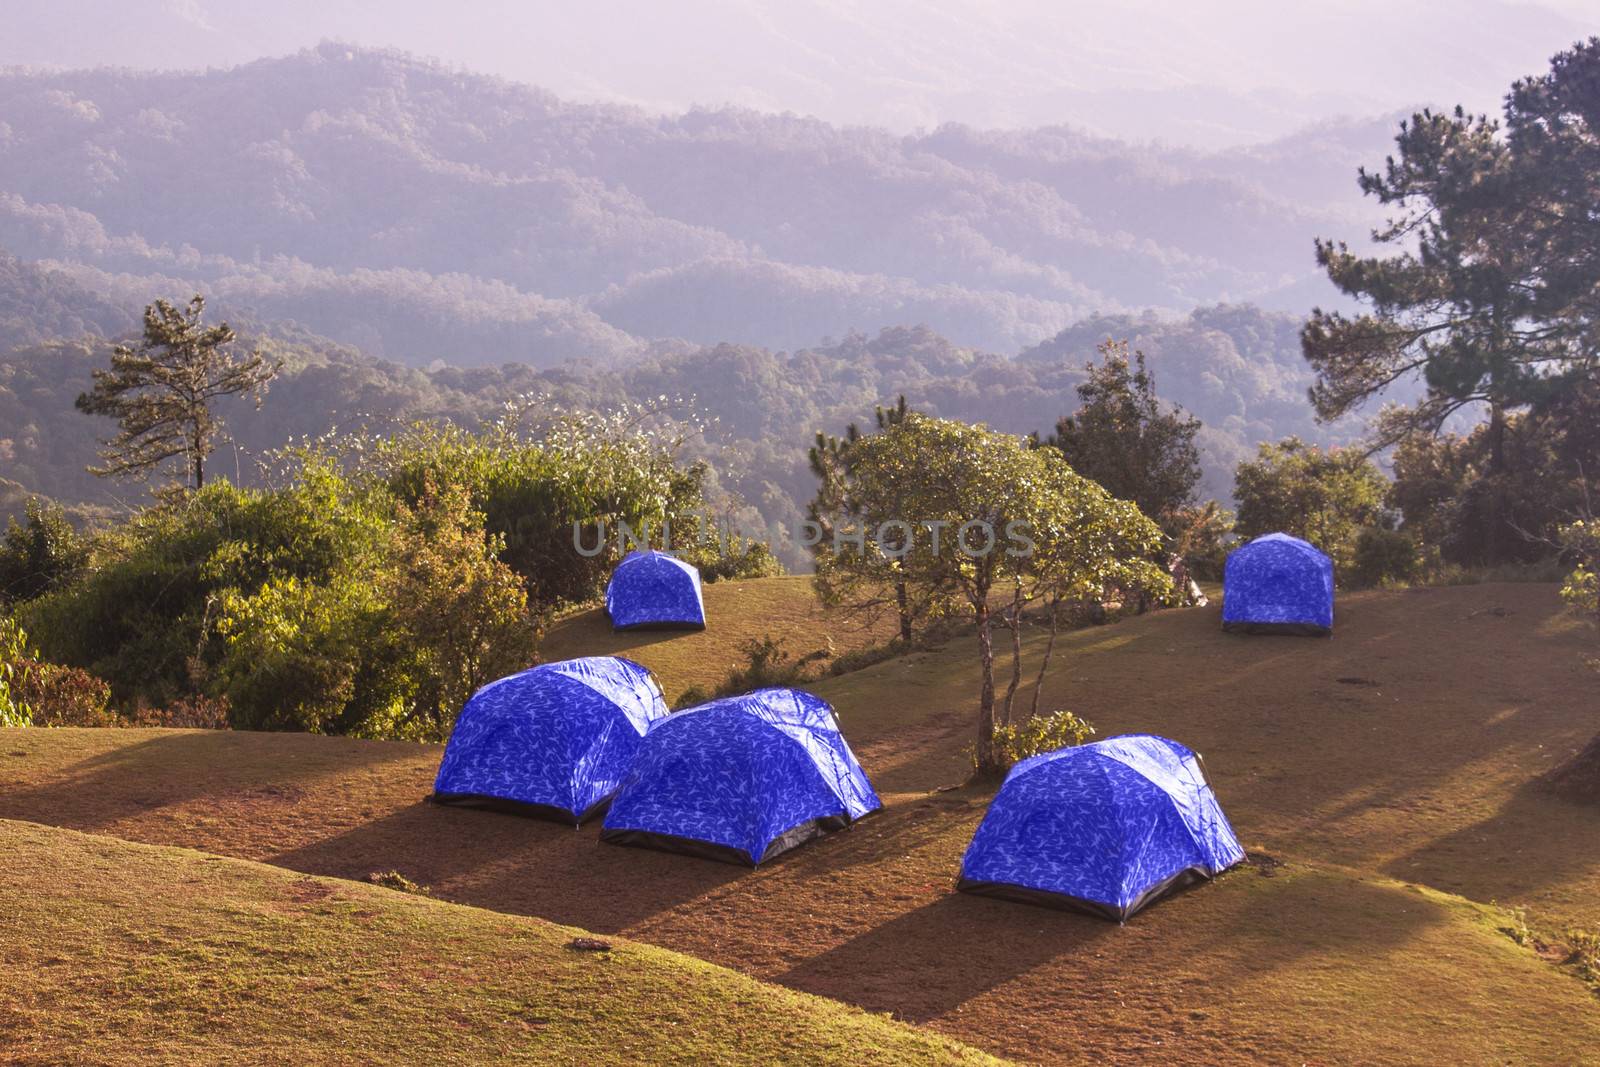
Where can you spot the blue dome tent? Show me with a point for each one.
(1105, 828)
(1278, 584)
(741, 779)
(557, 739)
(654, 590)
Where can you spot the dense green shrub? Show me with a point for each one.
(311, 656)
(393, 644)
(589, 478)
(1384, 556)
(15, 662)
(691, 697)
(374, 587)
(39, 554)
(143, 617)
(1485, 499)
(198, 712)
(1581, 589)
(733, 559)
(767, 664)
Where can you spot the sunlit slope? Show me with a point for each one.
(136, 953)
(736, 612)
(1396, 760)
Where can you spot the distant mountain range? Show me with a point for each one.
(417, 242)
(426, 215)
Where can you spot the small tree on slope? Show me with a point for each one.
(980, 512)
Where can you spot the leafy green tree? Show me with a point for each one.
(40, 553)
(1125, 438)
(461, 610)
(576, 483)
(1452, 501)
(162, 393)
(1325, 497)
(144, 617)
(1087, 543)
(975, 512)
(1431, 479)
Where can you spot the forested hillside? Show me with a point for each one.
(1237, 367)
(426, 214)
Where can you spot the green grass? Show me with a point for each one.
(118, 952)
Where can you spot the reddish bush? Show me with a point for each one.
(66, 696)
(192, 713)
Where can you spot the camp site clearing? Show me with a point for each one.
(1408, 884)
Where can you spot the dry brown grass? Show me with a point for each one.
(736, 612)
(1379, 795)
(144, 954)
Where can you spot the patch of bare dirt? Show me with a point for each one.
(310, 891)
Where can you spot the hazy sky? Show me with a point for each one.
(1207, 72)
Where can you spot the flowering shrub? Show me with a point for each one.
(1582, 588)
(1015, 742)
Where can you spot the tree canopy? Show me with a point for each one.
(1125, 438)
(960, 512)
(1490, 296)
(1326, 497)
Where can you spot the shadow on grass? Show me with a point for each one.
(1536, 841)
(515, 864)
(177, 767)
(927, 962)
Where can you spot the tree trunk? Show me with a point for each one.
(1497, 438)
(1497, 470)
(988, 764)
(1049, 647)
(195, 431)
(903, 602)
(1015, 623)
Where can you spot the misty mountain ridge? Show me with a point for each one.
(1236, 367)
(423, 213)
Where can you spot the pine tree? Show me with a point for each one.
(1491, 299)
(161, 392)
(1124, 438)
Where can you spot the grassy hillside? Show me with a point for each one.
(736, 612)
(1389, 773)
(136, 953)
